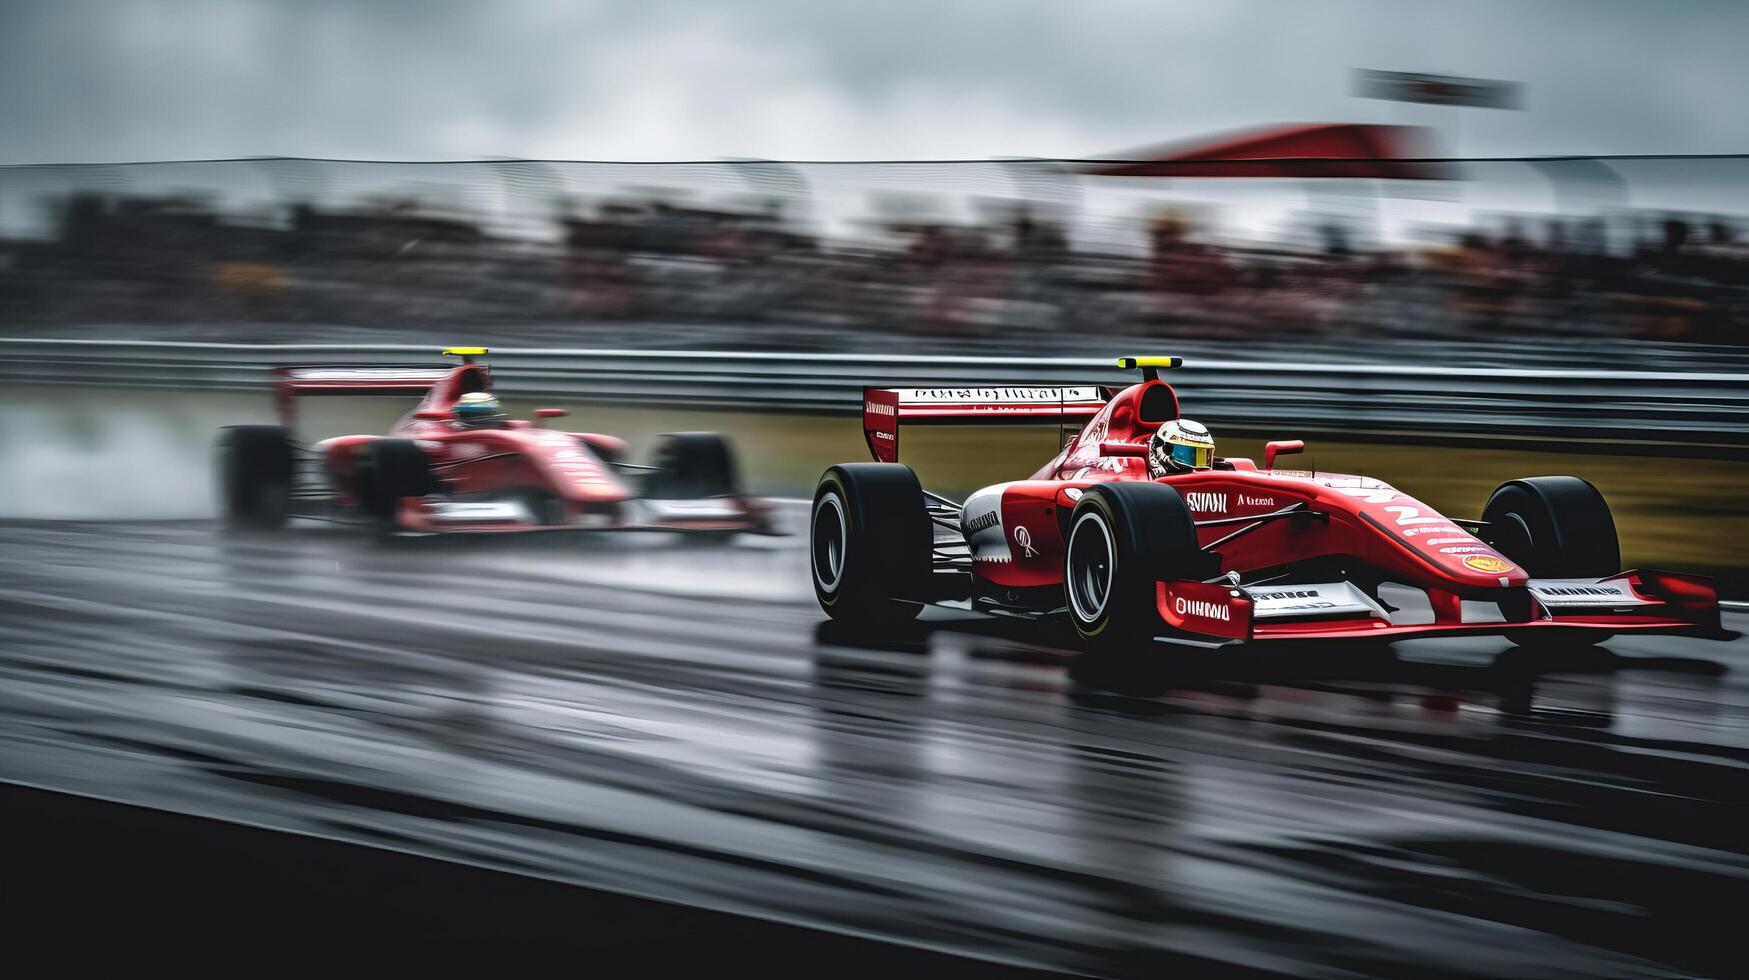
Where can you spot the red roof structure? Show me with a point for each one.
(1290, 152)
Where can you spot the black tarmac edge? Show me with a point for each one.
(95, 886)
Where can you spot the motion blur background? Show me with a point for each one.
(1006, 252)
(1548, 199)
(1557, 211)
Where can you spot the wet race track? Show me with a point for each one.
(668, 719)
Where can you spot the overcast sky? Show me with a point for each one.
(812, 79)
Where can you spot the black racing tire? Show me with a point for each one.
(545, 507)
(870, 543)
(388, 470)
(255, 475)
(1553, 527)
(1122, 538)
(693, 465)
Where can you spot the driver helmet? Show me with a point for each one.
(1180, 446)
(478, 408)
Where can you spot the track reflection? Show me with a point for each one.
(674, 721)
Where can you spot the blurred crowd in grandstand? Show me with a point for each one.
(166, 260)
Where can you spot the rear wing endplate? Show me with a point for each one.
(884, 408)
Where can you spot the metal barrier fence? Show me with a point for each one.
(1669, 413)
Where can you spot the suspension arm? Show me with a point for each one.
(1292, 510)
(943, 501)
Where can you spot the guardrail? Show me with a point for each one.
(1672, 413)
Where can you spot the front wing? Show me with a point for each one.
(1643, 601)
(417, 515)
(720, 514)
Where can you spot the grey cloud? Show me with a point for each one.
(141, 80)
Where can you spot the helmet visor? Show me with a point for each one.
(1196, 457)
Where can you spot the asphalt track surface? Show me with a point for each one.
(666, 719)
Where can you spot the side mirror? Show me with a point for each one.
(1285, 447)
(1113, 447)
(433, 415)
(550, 413)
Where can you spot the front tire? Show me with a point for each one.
(1553, 527)
(255, 475)
(693, 465)
(1122, 539)
(388, 470)
(870, 543)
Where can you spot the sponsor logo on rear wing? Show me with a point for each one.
(291, 382)
(997, 398)
(364, 376)
(884, 408)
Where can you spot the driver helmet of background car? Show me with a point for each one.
(478, 408)
(1180, 446)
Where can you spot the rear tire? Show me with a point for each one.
(388, 470)
(693, 465)
(1553, 527)
(255, 475)
(1122, 539)
(870, 543)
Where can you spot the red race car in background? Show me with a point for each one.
(1227, 554)
(436, 472)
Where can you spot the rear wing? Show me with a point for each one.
(291, 382)
(884, 408)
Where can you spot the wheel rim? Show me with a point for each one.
(1091, 557)
(829, 542)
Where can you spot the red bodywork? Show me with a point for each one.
(1351, 151)
(1015, 534)
(569, 472)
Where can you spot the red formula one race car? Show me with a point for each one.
(457, 463)
(1136, 532)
